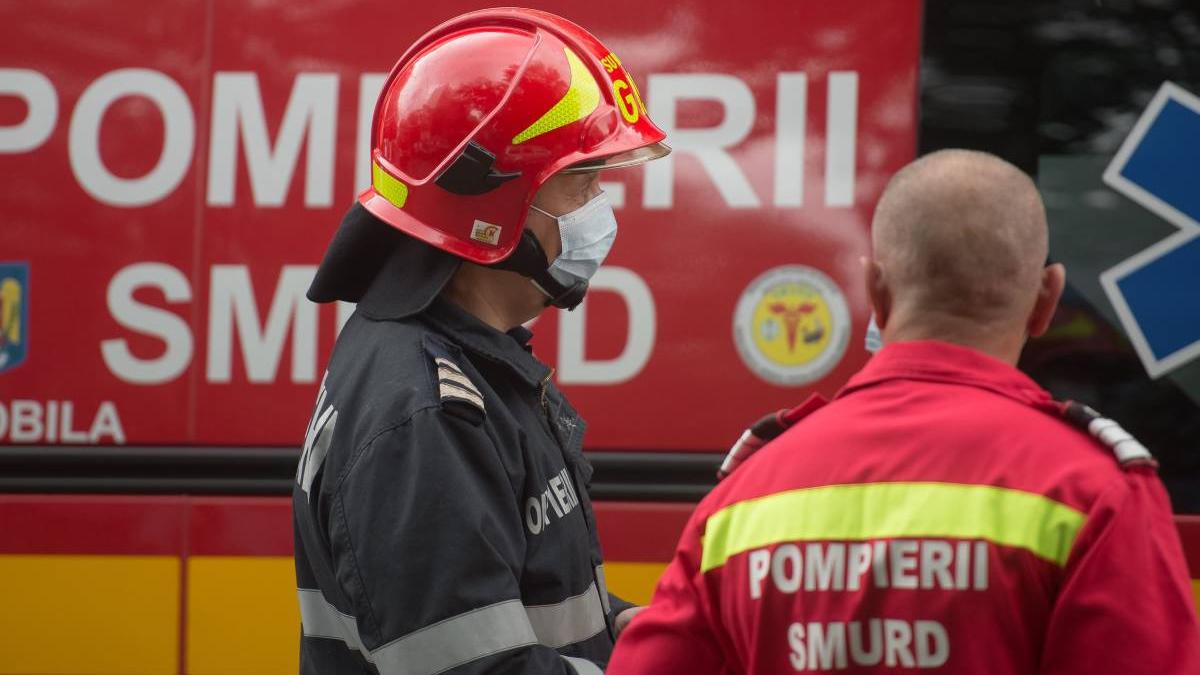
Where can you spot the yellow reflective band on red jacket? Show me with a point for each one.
(582, 97)
(867, 511)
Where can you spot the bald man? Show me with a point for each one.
(943, 512)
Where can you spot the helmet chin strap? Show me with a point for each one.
(529, 260)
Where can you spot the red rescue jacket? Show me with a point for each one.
(939, 514)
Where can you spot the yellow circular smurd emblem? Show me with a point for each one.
(791, 325)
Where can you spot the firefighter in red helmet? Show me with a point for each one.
(441, 511)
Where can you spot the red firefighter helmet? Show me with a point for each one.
(481, 110)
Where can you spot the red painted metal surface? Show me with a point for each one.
(640, 531)
(202, 153)
(240, 526)
(86, 524)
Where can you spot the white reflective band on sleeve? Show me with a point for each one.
(1123, 444)
(460, 639)
(321, 619)
(457, 640)
(572, 620)
(583, 666)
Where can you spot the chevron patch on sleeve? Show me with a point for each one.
(457, 390)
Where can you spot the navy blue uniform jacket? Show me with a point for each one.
(441, 509)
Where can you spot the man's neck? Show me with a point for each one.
(1001, 342)
(492, 296)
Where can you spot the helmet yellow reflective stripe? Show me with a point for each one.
(388, 187)
(582, 97)
(1005, 517)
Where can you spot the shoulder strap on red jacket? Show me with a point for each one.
(766, 429)
(1127, 449)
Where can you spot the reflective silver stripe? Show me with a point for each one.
(583, 666)
(321, 619)
(604, 601)
(460, 639)
(468, 636)
(572, 620)
(457, 640)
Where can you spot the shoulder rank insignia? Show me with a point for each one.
(765, 430)
(459, 394)
(1128, 450)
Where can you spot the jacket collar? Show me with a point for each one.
(510, 349)
(934, 361)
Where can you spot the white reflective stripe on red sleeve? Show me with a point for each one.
(440, 646)
(583, 666)
(572, 620)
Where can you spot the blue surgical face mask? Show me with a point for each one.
(874, 341)
(587, 235)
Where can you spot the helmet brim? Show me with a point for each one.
(633, 157)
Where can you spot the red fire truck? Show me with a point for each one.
(173, 172)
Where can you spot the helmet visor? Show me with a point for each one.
(630, 158)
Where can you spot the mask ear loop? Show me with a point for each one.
(543, 212)
(529, 260)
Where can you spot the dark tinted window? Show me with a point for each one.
(1056, 87)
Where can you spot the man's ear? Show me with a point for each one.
(1054, 280)
(877, 291)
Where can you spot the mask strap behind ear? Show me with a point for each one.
(543, 212)
(529, 260)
